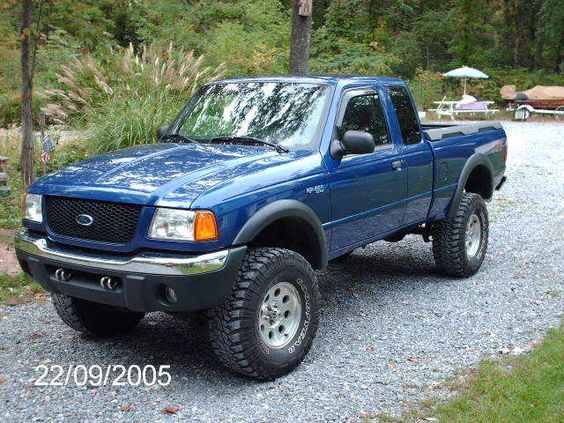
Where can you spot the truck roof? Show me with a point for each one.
(315, 79)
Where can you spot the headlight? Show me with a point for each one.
(183, 225)
(32, 208)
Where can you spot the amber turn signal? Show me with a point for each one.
(205, 226)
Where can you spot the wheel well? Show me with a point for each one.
(480, 182)
(293, 234)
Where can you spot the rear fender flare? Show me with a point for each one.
(474, 161)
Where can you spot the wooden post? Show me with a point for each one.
(42, 134)
(301, 35)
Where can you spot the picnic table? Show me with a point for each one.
(454, 108)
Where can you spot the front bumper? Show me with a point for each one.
(140, 281)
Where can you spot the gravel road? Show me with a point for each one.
(391, 328)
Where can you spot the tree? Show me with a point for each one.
(473, 35)
(553, 33)
(301, 35)
(27, 163)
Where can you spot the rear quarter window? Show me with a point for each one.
(407, 118)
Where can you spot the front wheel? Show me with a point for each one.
(460, 242)
(268, 322)
(92, 318)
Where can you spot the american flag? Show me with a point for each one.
(46, 147)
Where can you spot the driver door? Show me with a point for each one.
(368, 191)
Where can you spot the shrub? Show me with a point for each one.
(130, 121)
(11, 108)
(67, 154)
(523, 78)
(84, 84)
(123, 101)
(427, 87)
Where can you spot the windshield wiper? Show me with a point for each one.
(248, 140)
(178, 137)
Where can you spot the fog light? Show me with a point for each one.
(170, 295)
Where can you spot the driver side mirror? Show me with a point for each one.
(162, 131)
(353, 142)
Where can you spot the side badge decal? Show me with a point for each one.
(317, 189)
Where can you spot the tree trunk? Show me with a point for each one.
(28, 172)
(299, 44)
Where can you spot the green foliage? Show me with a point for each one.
(350, 19)
(343, 56)
(473, 35)
(251, 37)
(551, 33)
(427, 87)
(524, 78)
(83, 21)
(11, 108)
(67, 154)
(488, 89)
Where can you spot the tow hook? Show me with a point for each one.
(63, 275)
(107, 282)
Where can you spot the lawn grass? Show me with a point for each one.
(17, 289)
(524, 389)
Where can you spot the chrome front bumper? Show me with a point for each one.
(146, 263)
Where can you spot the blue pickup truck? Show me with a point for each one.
(256, 183)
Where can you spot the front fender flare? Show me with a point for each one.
(279, 210)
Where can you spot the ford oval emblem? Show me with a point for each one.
(84, 219)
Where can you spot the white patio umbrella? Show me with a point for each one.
(466, 72)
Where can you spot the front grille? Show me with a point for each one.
(111, 222)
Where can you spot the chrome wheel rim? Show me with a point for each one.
(473, 235)
(280, 314)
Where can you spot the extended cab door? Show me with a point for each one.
(417, 156)
(367, 190)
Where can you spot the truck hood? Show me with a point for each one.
(145, 174)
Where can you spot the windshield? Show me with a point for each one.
(284, 114)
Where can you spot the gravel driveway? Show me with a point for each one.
(391, 329)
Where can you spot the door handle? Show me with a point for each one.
(396, 165)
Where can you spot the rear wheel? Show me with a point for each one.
(460, 242)
(267, 324)
(93, 318)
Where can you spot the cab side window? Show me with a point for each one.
(365, 113)
(408, 122)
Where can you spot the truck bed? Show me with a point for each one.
(439, 131)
